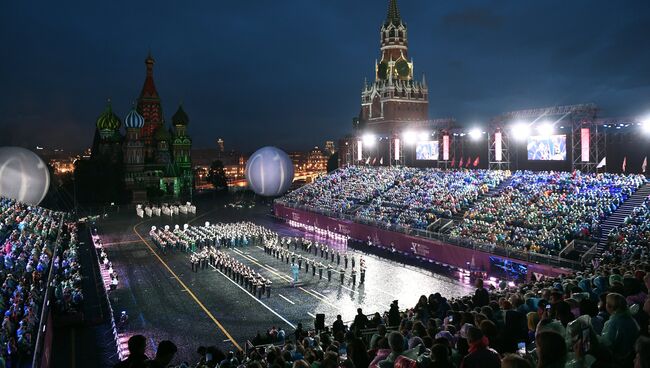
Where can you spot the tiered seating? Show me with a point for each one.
(342, 190)
(67, 290)
(543, 211)
(423, 195)
(633, 236)
(27, 236)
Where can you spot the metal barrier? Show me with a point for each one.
(545, 259)
(121, 350)
(43, 347)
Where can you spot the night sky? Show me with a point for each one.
(289, 72)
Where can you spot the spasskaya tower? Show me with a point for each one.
(395, 100)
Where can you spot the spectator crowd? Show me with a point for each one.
(539, 212)
(27, 239)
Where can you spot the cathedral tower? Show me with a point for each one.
(150, 109)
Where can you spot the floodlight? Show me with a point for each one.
(545, 128)
(409, 137)
(475, 134)
(369, 140)
(645, 125)
(520, 130)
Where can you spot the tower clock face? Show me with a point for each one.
(382, 70)
(402, 68)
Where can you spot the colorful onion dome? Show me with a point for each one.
(108, 120)
(180, 117)
(133, 119)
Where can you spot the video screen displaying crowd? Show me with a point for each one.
(27, 239)
(539, 212)
(543, 211)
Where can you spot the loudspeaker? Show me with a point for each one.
(319, 324)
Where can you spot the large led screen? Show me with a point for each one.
(547, 148)
(427, 150)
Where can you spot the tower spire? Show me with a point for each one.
(393, 13)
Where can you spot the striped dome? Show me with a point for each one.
(108, 120)
(133, 119)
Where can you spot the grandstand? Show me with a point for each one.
(544, 217)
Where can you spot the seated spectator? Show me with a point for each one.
(620, 331)
(515, 361)
(164, 355)
(551, 350)
(137, 359)
(480, 355)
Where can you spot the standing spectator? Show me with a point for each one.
(480, 355)
(338, 325)
(360, 320)
(393, 314)
(481, 296)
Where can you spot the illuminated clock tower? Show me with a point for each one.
(395, 101)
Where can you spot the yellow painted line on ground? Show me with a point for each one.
(207, 312)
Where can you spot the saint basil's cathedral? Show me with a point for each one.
(152, 157)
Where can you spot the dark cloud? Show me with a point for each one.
(289, 72)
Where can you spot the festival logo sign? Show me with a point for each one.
(344, 229)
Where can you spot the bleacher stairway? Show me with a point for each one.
(621, 213)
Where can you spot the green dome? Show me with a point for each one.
(180, 117)
(108, 120)
(162, 134)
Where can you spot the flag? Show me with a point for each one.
(460, 164)
(469, 162)
(644, 165)
(624, 163)
(374, 161)
(453, 161)
(368, 160)
(602, 163)
(381, 160)
(476, 162)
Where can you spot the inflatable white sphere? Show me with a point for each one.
(269, 172)
(23, 175)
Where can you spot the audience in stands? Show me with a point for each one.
(539, 212)
(633, 236)
(27, 237)
(543, 211)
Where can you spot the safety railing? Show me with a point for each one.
(509, 252)
(43, 346)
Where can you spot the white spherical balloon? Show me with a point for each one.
(269, 172)
(23, 175)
